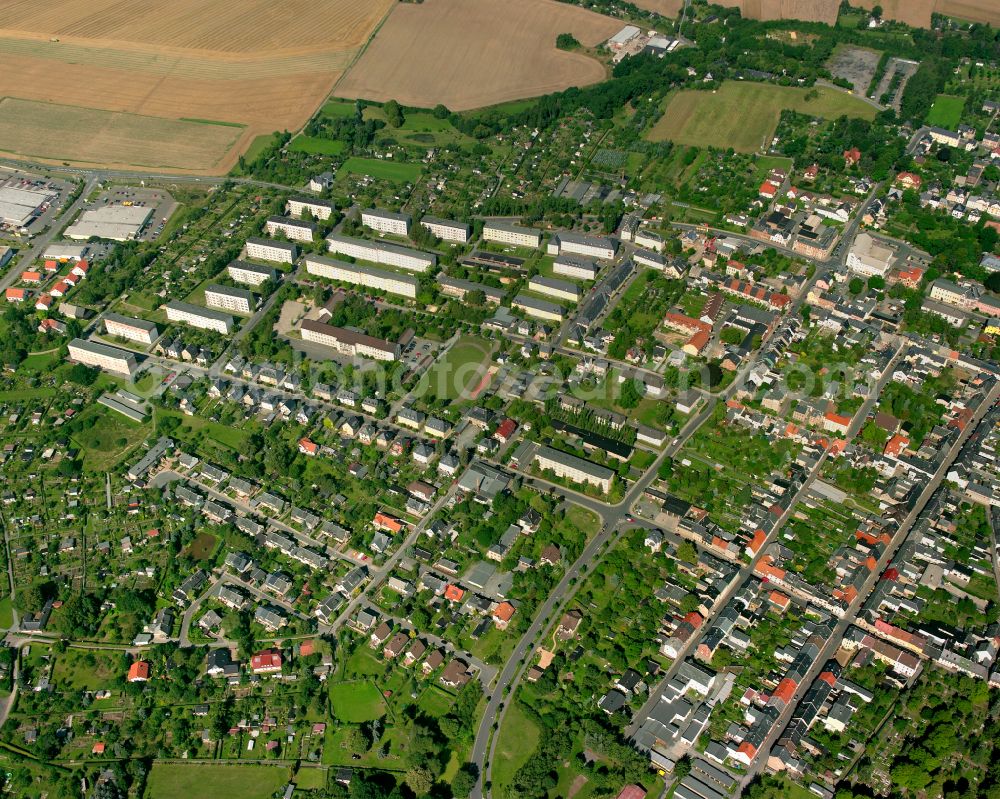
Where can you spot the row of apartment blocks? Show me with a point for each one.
(101, 356)
(369, 277)
(381, 253)
(399, 224)
(349, 342)
(199, 317)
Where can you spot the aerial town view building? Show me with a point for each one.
(468, 399)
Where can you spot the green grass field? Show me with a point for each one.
(77, 670)
(6, 613)
(745, 115)
(203, 546)
(105, 437)
(21, 394)
(435, 702)
(357, 702)
(338, 108)
(310, 779)
(385, 170)
(314, 146)
(946, 111)
(196, 781)
(585, 520)
(39, 361)
(518, 739)
(193, 426)
(460, 370)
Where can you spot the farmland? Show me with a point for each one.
(186, 61)
(744, 115)
(810, 10)
(460, 54)
(918, 12)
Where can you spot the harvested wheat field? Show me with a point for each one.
(260, 65)
(668, 8)
(918, 12)
(472, 53)
(808, 10)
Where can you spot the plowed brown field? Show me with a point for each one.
(255, 63)
(471, 53)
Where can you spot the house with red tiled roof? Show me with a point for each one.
(383, 521)
(836, 422)
(29, 276)
(852, 156)
(759, 537)
(81, 268)
(768, 189)
(505, 431)
(909, 180)
(43, 303)
(307, 447)
(15, 295)
(138, 671)
(453, 593)
(897, 444)
(266, 662)
(502, 614)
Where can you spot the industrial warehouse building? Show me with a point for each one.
(551, 287)
(571, 266)
(320, 209)
(380, 253)
(132, 329)
(112, 222)
(386, 221)
(294, 229)
(509, 233)
(349, 342)
(582, 244)
(251, 274)
(61, 251)
(229, 299)
(540, 309)
(570, 467)
(454, 287)
(18, 206)
(447, 229)
(379, 279)
(269, 250)
(197, 316)
(110, 359)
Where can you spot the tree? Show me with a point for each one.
(441, 112)
(420, 780)
(567, 41)
(992, 282)
(687, 552)
(465, 780)
(856, 286)
(393, 114)
(682, 767)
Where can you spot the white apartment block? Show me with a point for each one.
(649, 240)
(386, 221)
(550, 287)
(577, 470)
(138, 330)
(229, 299)
(267, 250)
(348, 342)
(961, 295)
(582, 244)
(110, 359)
(579, 268)
(869, 257)
(447, 229)
(250, 274)
(320, 209)
(379, 279)
(509, 233)
(294, 229)
(202, 318)
(540, 309)
(381, 253)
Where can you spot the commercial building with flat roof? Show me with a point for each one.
(280, 252)
(110, 359)
(386, 221)
(61, 251)
(870, 257)
(572, 266)
(381, 253)
(132, 329)
(349, 342)
(229, 299)
(18, 205)
(321, 209)
(582, 244)
(367, 276)
(551, 287)
(199, 317)
(250, 274)
(540, 309)
(294, 229)
(112, 222)
(570, 467)
(447, 229)
(510, 233)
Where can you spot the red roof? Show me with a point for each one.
(837, 418)
(786, 690)
(307, 647)
(506, 429)
(454, 593)
(757, 541)
(694, 619)
(632, 792)
(268, 660)
(896, 444)
(29, 276)
(138, 671)
(829, 678)
(504, 611)
(308, 447)
(15, 294)
(698, 341)
(388, 522)
(778, 598)
(891, 574)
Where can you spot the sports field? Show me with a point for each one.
(221, 60)
(54, 132)
(461, 369)
(744, 116)
(946, 111)
(183, 781)
(472, 53)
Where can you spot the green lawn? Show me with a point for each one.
(386, 170)
(256, 148)
(517, 741)
(460, 370)
(192, 426)
(39, 361)
(18, 395)
(6, 613)
(79, 670)
(316, 146)
(357, 702)
(196, 781)
(310, 779)
(946, 111)
(435, 702)
(584, 520)
(338, 108)
(105, 437)
(744, 115)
